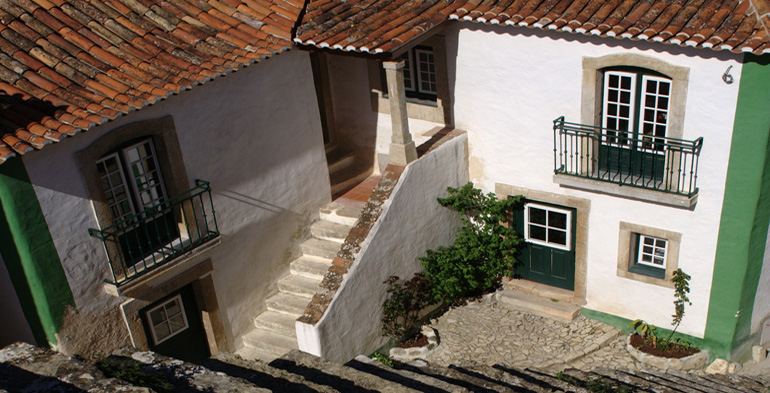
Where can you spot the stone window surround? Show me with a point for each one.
(438, 112)
(189, 268)
(582, 210)
(626, 260)
(163, 134)
(590, 113)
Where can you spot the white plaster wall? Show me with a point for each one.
(411, 222)
(15, 326)
(762, 298)
(510, 84)
(256, 136)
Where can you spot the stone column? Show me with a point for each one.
(402, 148)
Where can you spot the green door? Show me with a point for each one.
(174, 328)
(548, 256)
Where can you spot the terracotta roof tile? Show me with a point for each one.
(95, 60)
(358, 25)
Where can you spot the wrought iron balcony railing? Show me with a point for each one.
(159, 234)
(626, 158)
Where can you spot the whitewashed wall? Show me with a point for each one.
(411, 223)
(256, 136)
(507, 91)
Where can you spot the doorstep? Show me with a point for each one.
(540, 299)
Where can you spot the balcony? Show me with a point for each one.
(159, 234)
(661, 169)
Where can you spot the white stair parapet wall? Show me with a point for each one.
(410, 223)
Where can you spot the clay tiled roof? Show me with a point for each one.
(373, 26)
(377, 26)
(68, 65)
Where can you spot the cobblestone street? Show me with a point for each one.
(492, 333)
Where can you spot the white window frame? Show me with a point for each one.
(177, 298)
(631, 104)
(419, 70)
(154, 157)
(568, 229)
(128, 190)
(643, 106)
(408, 72)
(640, 251)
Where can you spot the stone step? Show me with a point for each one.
(514, 379)
(537, 305)
(261, 375)
(328, 230)
(299, 286)
(339, 158)
(320, 248)
(269, 341)
(256, 354)
(287, 303)
(340, 214)
(346, 178)
(184, 376)
(280, 323)
(422, 382)
(26, 368)
(310, 267)
(336, 376)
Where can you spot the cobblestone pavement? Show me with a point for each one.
(493, 333)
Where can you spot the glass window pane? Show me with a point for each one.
(537, 232)
(664, 88)
(537, 216)
(173, 308)
(558, 237)
(658, 261)
(625, 111)
(161, 331)
(614, 80)
(663, 103)
(612, 96)
(157, 316)
(176, 323)
(625, 96)
(647, 250)
(557, 220)
(625, 83)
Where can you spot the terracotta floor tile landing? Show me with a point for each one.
(357, 196)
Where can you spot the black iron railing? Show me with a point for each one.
(159, 233)
(626, 158)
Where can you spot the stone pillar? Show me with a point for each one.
(402, 148)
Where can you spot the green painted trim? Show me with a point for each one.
(745, 214)
(625, 325)
(31, 257)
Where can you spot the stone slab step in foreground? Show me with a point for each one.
(337, 376)
(541, 306)
(341, 214)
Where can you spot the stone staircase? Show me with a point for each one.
(30, 369)
(274, 333)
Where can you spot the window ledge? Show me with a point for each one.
(659, 197)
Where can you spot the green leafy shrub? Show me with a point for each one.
(401, 310)
(382, 359)
(483, 252)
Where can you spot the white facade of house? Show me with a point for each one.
(507, 103)
(255, 134)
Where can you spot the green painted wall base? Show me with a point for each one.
(30, 255)
(745, 215)
(625, 325)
